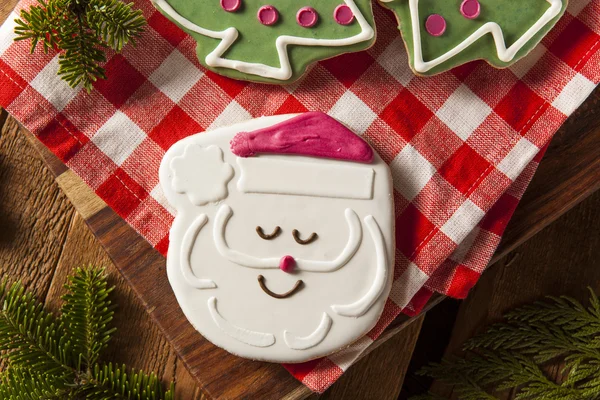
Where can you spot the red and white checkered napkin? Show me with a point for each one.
(462, 146)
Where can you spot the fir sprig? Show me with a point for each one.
(112, 382)
(513, 354)
(87, 313)
(30, 337)
(57, 358)
(22, 384)
(114, 22)
(81, 30)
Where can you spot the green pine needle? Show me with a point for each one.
(81, 57)
(57, 358)
(22, 384)
(87, 313)
(81, 30)
(41, 24)
(30, 337)
(115, 22)
(512, 354)
(110, 382)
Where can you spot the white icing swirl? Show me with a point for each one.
(317, 336)
(186, 253)
(362, 305)
(256, 339)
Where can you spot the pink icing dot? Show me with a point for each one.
(231, 5)
(435, 25)
(287, 263)
(307, 17)
(343, 15)
(470, 9)
(267, 15)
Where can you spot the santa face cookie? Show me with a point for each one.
(282, 248)
(271, 42)
(440, 35)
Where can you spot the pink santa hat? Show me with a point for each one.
(312, 134)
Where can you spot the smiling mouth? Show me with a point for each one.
(263, 286)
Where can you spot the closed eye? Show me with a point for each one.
(313, 236)
(268, 236)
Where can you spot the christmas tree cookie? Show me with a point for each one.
(271, 42)
(440, 35)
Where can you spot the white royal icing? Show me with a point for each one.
(245, 260)
(202, 175)
(504, 54)
(215, 255)
(257, 339)
(362, 305)
(186, 253)
(316, 337)
(284, 72)
(260, 175)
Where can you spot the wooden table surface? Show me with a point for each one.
(42, 238)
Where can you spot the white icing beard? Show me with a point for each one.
(346, 272)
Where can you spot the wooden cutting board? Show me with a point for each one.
(569, 173)
(220, 374)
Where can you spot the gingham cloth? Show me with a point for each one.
(462, 146)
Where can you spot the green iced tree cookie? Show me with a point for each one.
(440, 35)
(271, 42)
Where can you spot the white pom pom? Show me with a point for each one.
(201, 174)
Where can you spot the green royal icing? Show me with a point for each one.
(256, 42)
(515, 17)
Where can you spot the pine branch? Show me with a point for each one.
(509, 354)
(543, 341)
(49, 358)
(586, 376)
(83, 54)
(21, 384)
(521, 371)
(565, 312)
(457, 372)
(80, 30)
(115, 22)
(41, 23)
(547, 330)
(30, 337)
(112, 382)
(87, 313)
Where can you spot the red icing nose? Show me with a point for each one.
(287, 263)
